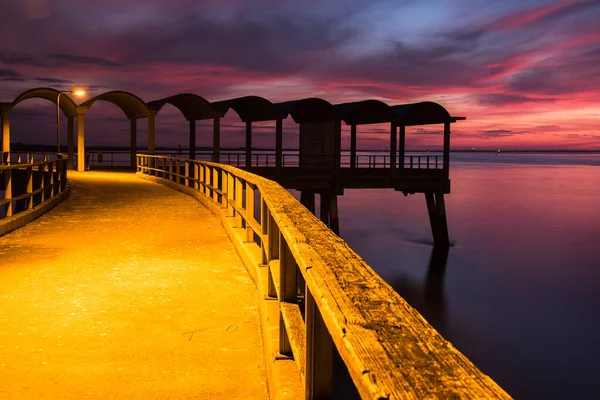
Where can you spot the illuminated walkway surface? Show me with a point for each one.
(127, 290)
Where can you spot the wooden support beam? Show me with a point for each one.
(334, 220)
(248, 144)
(352, 146)
(402, 146)
(325, 213)
(447, 149)
(436, 209)
(307, 199)
(216, 156)
(440, 205)
(338, 147)
(192, 144)
(279, 143)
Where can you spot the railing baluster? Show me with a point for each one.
(30, 187)
(287, 290)
(51, 179)
(208, 179)
(224, 188)
(271, 250)
(230, 194)
(249, 212)
(319, 352)
(215, 184)
(42, 171)
(264, 232)
(8, 191)
(187, 173)
(238, 202)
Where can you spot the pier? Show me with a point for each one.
(319, 166)
(296, 291)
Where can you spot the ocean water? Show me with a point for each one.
(519, 291)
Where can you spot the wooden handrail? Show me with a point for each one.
(43, 181)
(389, 349)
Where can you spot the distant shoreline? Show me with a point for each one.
(19, 147)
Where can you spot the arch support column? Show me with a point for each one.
(192, 146)
(71, 140)
(132, 142)
(5, 120)
(80, 142)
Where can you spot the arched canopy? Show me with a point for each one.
(309, 110)
(192, 106)
(67, 105)
(130, 104)
(423, 113)
(250, 108)
(365, 112)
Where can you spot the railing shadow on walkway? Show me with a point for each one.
(321, 294)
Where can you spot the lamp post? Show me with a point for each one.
(76, 93)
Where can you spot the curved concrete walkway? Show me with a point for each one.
(127, 290)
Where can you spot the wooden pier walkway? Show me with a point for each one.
(127, 290)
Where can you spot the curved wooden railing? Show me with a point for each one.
(27, 183)
(326, 294)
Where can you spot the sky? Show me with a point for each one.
(525, 73)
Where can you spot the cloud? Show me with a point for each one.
(424, 131)
(277, 44)
(9, 74)
(17, 58)
(496, 133)
(543, 14)
(83, 59)
(500, 99)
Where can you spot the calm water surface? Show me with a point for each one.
(521, 290)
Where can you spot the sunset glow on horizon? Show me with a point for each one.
(524, 73)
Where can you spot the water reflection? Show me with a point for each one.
(428, 297)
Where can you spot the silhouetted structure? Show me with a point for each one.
(318, 168)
